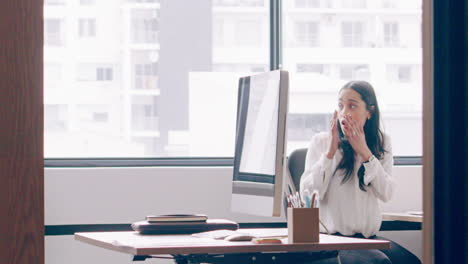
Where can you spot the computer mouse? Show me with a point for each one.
(239, 237)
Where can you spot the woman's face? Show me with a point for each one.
(351, 105)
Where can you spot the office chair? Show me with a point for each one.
(296, 164)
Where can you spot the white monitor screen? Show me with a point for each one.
(259, 148)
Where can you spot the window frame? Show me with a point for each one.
(174, 162)
(275, 24)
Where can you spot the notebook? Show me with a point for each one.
(177, 218)
(190, 227)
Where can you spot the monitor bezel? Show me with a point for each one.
(264, 185)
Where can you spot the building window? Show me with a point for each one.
(251, 3)
(144, 1)
(144, 113)
(55, 117)
(87, 2)
(93, 72)
(301, 127)
(100, 117)
(145, 70)
(354, 72)
(353, 3)
(307, 34)
(389, 3)
(352, 33)
(310, 68)
(404, 74)
(87, 27)
(145, 75)
(400, 73)
(92, 117)
(145, 26)
(54, 2)
(104, 74)
(53, 32)
(307, 3)
(391, 34)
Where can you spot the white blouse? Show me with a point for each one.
(345, 208)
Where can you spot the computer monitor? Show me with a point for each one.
(259, 161)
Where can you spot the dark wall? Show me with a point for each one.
(21, 132)
(450, 135)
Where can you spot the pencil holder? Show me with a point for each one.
(303, 225)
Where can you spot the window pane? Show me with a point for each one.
(307, 34)
(356, 40)
(307, 3)
(53, 32)
(148, 78)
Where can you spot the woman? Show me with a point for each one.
(351, 168)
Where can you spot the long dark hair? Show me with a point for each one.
(374, 136)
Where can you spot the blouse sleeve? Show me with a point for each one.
(378, 173)
(318, 168)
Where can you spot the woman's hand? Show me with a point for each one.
(333, 136)
(356, 137)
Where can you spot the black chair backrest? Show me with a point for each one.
(296, 164)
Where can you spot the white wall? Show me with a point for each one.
(125, 195)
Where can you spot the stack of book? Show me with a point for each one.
(176, 218)
(181, 224)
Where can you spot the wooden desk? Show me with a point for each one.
(402, 217)
(147, 245)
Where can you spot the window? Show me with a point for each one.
(145, 26)
(53, 32)
(353, 3)
(94, 72)
(101, 117)
(301, 126)
(315, 68)
(404, 74)
(354, 72)
(92, 117)
(87, 27)
(240, 3)
(87, 2)
(399, 73)
(389, 3)
(130, 93)
(144, 113)
(55, 118)
(144, 1)
(104, 74)
(391, 34)
(307, 3)
(157, 81)
(145, 70)
(352, 34)
(54, 2)
(306, 33)
(353, 45)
